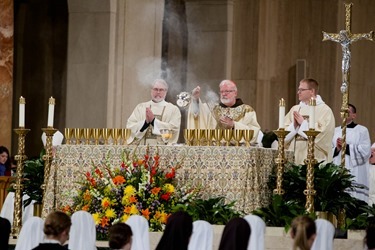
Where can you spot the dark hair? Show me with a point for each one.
(303, 228)
(236, 235)
(353, 108)
(119, 235)
(7, 163)
(370, 236)
(56, 223)
(5, 233)
(312, 83)
(177, 232)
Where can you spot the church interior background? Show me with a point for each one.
(96, 57)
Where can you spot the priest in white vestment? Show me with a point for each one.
(149, 118)
(230, 113)
(297, 121)
(357, 152)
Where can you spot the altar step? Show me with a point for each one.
(275, 239)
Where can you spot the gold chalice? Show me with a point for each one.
(218, 136)
(87, 135)
(208, 133)
(189, 136)
(96, 133)
(125, 134)
(237, 136)
(247, 136)
(198, 134)
(106, 133)
(227, 135)
(77, 133)
(116, 133)
(68, 135)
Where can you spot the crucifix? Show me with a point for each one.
(346, 38)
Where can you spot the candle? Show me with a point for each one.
(51, 110)
(312, 105)
(281, 113)
(21, 120)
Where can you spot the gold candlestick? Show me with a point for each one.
(280, 160)
(310, 161)
(47, 157)
(20, 157)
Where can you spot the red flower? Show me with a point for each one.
(98, 172)
(171, 174)
(165, 196)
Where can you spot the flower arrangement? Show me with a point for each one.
(139, 186)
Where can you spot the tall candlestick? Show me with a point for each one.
(21, 119)
(281, 112)
(312, 105)
(51, 110)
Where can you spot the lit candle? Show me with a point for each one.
(51, 110)
(312, 105)
(281, 113)
(21, 119)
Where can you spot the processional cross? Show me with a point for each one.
(346, 38)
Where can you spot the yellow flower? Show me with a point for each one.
(163, 218)
(169, 188)
(107, 190)
(96, 218)
(110, 213)
(134, 209)
(125, 217)
(106, 203)
(125, 200)
(129, 190)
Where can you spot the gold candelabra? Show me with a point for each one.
(310, 161)
(20, 158)
(280, 160)
(47, 157)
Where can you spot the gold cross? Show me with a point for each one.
(346, 38)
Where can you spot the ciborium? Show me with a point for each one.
(247, 136)
(218, 136)
(189, 136)
(237, 136)
(227, 135)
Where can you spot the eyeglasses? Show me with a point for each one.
(301, 90)
(158, 90)
(226, 91)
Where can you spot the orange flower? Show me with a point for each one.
(104, 221)
(146, 213)
(155, 190)
(127, 209)
(118, 180)
(132, 199)
(66, 209)
(86, 208)
(86, 195)
(140, 162)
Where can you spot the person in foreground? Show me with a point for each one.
(230, 113)
(357, 152)
(369, 239)
(297, 121)
(56, 230)
(303, 232)
(82, 232)
(177, 232)
(149, 118)
(120, 236)
(31, 234)
(4, 233)
(236, 235)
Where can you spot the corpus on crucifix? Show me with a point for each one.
(346, 38)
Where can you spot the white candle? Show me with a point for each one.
(312, 105)
(51, 110)
(281, 113)
(21, 119)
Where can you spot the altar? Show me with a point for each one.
(237, 173)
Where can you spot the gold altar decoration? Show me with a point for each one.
(310, 161)
(47, 157)
(97, 136)
(346, 38)
(214, 137)
(280, 160)
(239, 174)
(20, 158)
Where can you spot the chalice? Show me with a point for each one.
(218, 136)
(68, 135)
(227, 135)
(87, 135)
(115, 135)
(189, 136)
(237, 136)
(208, 133)
(106, 133)
(125, 134)
(77, 133)
(166, 135)
(96, 133)
(198, 134)
(248, 135)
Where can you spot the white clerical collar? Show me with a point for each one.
(318, 100)
(162, 103)
(52, 241)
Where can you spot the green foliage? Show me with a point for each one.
(213, 210)
(33, 175)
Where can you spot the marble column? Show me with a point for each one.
(6, 71)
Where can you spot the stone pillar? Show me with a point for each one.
(6, 71)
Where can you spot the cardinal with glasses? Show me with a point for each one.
(297, 121)
(229, 113)
(150, 118)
